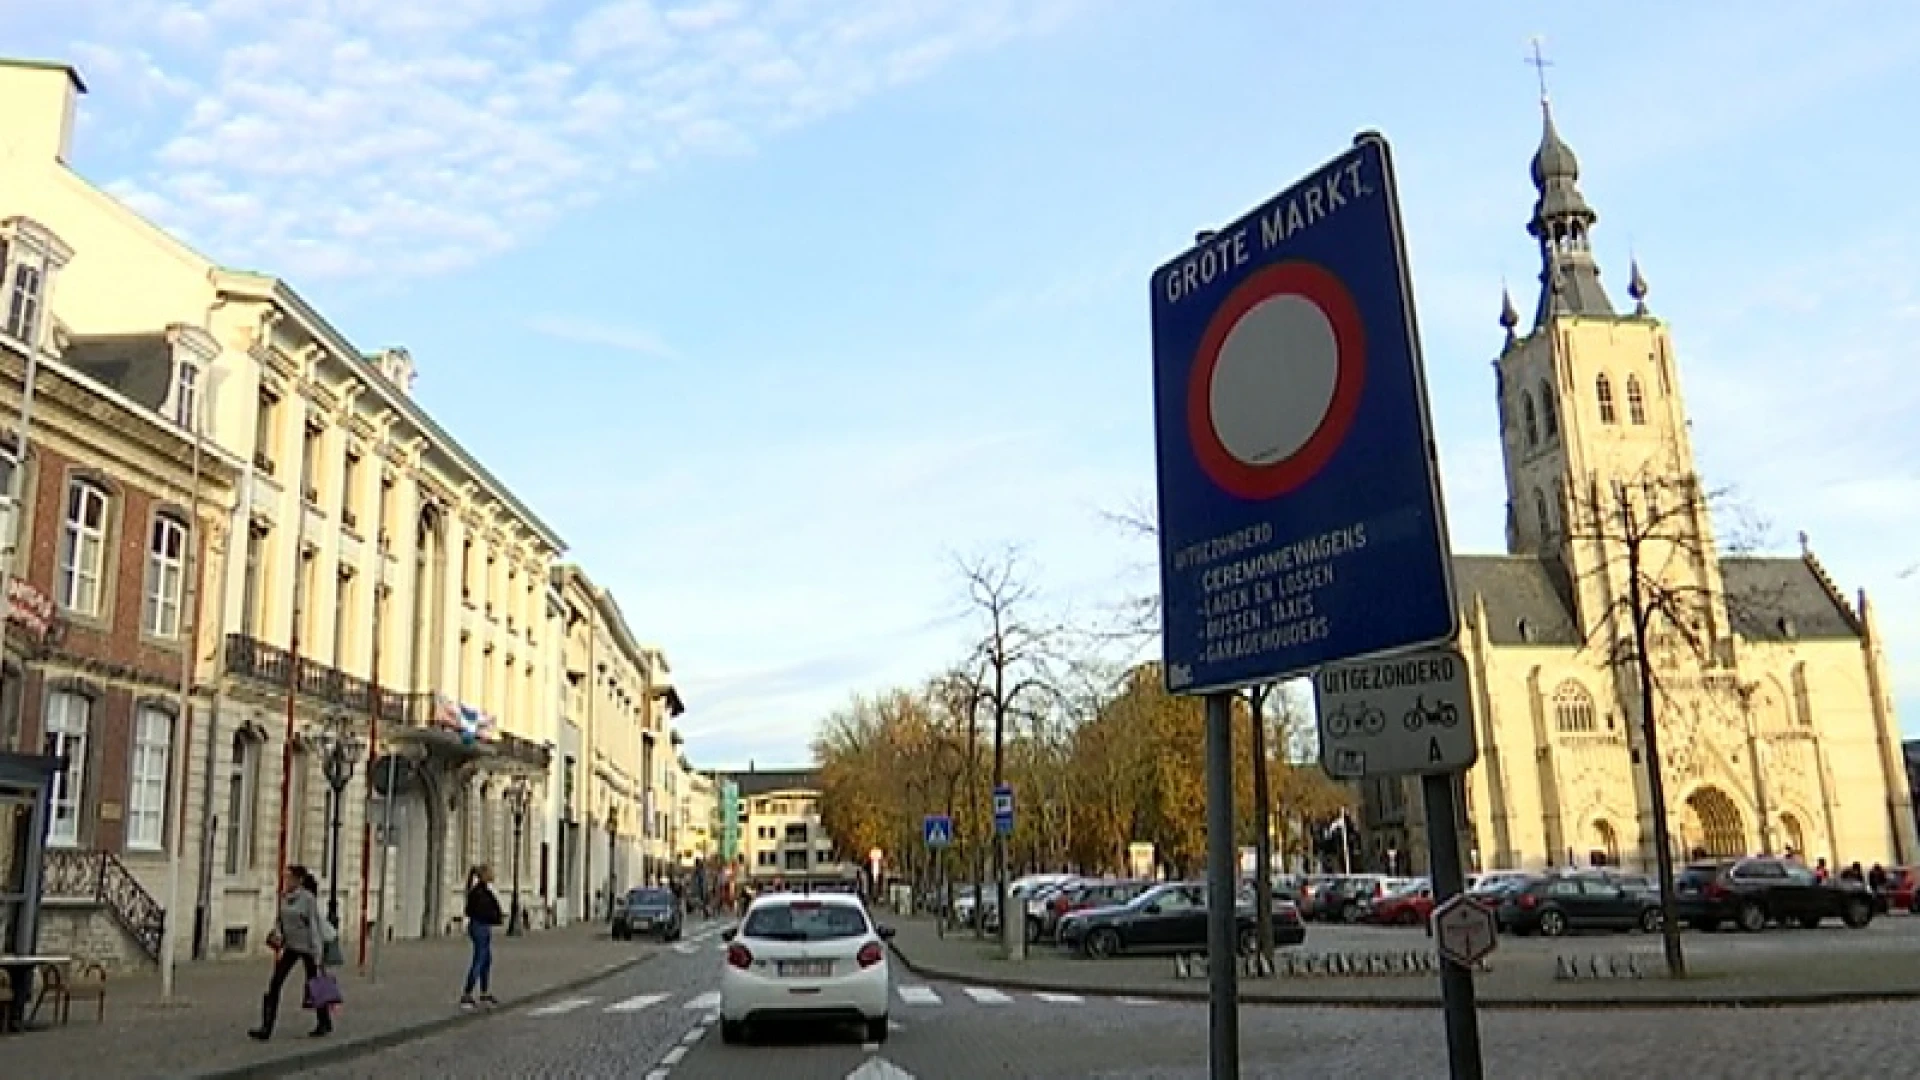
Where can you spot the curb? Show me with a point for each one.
(1785, 1000)
(301, 1062)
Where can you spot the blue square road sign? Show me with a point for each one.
(937, 830)
(1301, 519)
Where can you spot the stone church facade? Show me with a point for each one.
(1773, 704)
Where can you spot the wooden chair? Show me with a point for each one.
(91, 983)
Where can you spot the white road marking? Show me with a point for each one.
(708, 1000)
(657, 1074)
(986, 995)
(673, 1056)
(870, 1047)
(1134, 1001)
(684, 948)
(919, 995)
(694, 1035)
(1059, 999)
(559, 1007)
(879, 1068)
(636, 1003)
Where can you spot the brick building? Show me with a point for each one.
(103, 595)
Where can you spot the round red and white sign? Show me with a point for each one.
(1276, 381)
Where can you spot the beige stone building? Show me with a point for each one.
(617, 749)
(1773, 708)
(383, 590)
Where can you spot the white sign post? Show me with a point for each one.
(1408, 715)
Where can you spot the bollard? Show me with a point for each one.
(1563, 971)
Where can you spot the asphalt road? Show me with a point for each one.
(1895, 933)
(656, 1022)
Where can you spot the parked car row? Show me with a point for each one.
(1171, 917)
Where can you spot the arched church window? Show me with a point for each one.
(1636, 401)
(1540, 511)
(1603, 390)
(1573, 711)
(1529, 421)
(1549, 416)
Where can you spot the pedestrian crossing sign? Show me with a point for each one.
(938, 830)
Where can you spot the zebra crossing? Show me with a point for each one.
(910, 996)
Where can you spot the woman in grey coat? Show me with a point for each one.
(299, 937)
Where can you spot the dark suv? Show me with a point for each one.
(1751, 893)
(650, 912)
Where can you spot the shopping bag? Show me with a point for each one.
(323, 991)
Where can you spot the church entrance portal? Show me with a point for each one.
(1712, 824)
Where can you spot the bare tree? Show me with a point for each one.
(1646, 545)
(1011, 659)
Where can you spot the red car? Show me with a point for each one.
(1409, 905)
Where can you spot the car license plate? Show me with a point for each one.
(805, 969)
(643, 923)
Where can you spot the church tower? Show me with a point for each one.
(1591, 414)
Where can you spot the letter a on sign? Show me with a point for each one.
(1434, 756)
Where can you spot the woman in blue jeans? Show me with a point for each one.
(483, 914)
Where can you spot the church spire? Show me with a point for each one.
(1562, 222)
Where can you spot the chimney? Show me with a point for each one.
(42, 97)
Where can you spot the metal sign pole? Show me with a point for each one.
(1449, 880)
(1223, 893)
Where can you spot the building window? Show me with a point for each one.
(342, 614)
(1603, 391)
(252, 599)
(310, 464)
(186, 395)
(147, 792)
(350, 490)
(166, 576)
(1636, 401)
(242, 781)
(384, 512)
(23, 303)
(266, 426)
(68, 714)
(466, 570)
(8, 500)
(1529, 419)
(1549, 415)
(1573, 710)
(83, 548)
(1541, 511)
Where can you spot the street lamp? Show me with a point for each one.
(339, 751)
(517, 796)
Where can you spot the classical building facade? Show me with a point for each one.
(696, 842)
(1773, 704)
(119, 507)
(621, 699)
(383, 591)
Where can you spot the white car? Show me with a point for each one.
(814, 956)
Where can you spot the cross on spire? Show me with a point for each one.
(1540, 64)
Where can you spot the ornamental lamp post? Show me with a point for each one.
(340, 751)
(517, 796)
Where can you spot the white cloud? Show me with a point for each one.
(408, 137)
(580, 331)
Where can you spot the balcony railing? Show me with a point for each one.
(269, 665)
(255, 660)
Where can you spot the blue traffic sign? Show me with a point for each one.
(1003, 809)
(937, 830)
(1301, 520)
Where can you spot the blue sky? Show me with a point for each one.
(772, 309)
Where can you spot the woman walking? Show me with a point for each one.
(483, 914)
(298, 936)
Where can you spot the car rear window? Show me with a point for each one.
(805, 921)
(650, 898)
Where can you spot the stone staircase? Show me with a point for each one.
(100, 878)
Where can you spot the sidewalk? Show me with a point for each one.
(203, 1032)
(1517, 979)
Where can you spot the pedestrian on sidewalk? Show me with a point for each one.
(297, 936)
(483, 914)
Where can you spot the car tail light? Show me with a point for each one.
(1528, 901)
(870, 954)
(1717, 891)
(738, 956)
